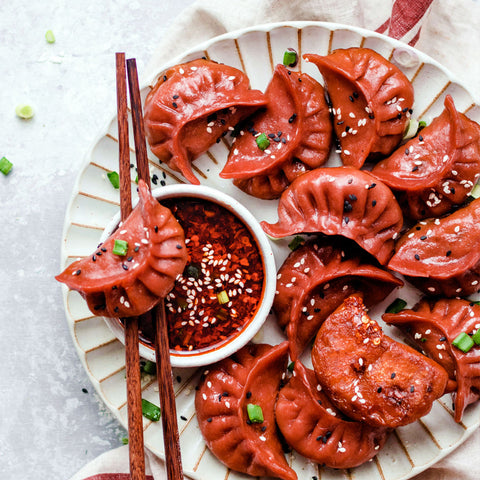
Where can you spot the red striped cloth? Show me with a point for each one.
(405, 21)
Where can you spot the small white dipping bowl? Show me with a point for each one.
(217, 351)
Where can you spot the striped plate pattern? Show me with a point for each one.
(410, 449)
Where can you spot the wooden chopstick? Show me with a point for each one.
(132, 354)
(173, 461)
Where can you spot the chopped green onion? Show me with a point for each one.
(476, 337)
(49, 36)
(411, 129)
(291, 366)
(255, 413)
(396, 306)
(125, 441)
(5, 166)
(120, 247)
(150, 410)
(191, 271)
(262, 141)
(24, 111)
(421, 124)
(149, 367)
(290, 58)
(475, 193)
(114, 179)
(463, 342)
(222, 297)
(136, 179)
(296, 242)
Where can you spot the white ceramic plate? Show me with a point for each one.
(409, 449)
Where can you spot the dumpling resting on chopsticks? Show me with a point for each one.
(135, 268)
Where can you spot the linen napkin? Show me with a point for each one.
(447, 30)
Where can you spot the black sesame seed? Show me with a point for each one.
(114, 287)
(116, 309)
(125, 267)
(220, 398)
(94, 258)
(174, 105)
(319, 438)
(347, 206)
(156, 228)
(350, 181)
(405, 110)
(352, 197)
(319, 402)
(423, 237)
(271, 135)
(371, 116)
(165, 78)
(162, 183)
(179, 247)
(417, 256)
(225, 394)
(373, 185)
(350, 98)
(249, 422)
(347, 128)
(374, 202)
(154, 179)
(340, 123)
(175, 97)
(379, 389)
(103, 249)
(347, 220)
(448, 253)
(418, 228)
(78, 272)
(412, 389)
(292, 118)
(399, 116)
(452, 190)
(264, 428)
(420, 137)
(183, 418)
(316, 310)
(209, 420)
(284, 140)
(136, 249)
(179, 378)
(84, 390)
(129, 259)
(415, 168)
(442, 339)
(407, 151)
(393, 375)
(279, 134)
(98, 254)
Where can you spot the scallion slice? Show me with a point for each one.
(290, 58)
(49, 36)
(192, 271)
(24, 111)
(114, 179)
(396, 306)
(421, 124)
(255, 413)
(150, 410)
(222, 297)
(463, 342)
(5, 166)
(411, 129)
(296, 242)
(475, 193)
(120, 247)
(291, 366)
(262, 141)
(476, 337)
(149, 367)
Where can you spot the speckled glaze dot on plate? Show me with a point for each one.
(218, 351)
(255, 50)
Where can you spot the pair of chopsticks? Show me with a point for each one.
(132, 355)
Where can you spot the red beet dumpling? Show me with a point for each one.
(316, 278)
(341, 201)
(191, 106)
(440, 256)
(296, 136)
(434, 325)
(252, 376)
(437, 169)
(132, 283)
(369, 376)
(316, 429)
(371, 101)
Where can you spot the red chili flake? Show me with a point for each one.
(222, 257)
